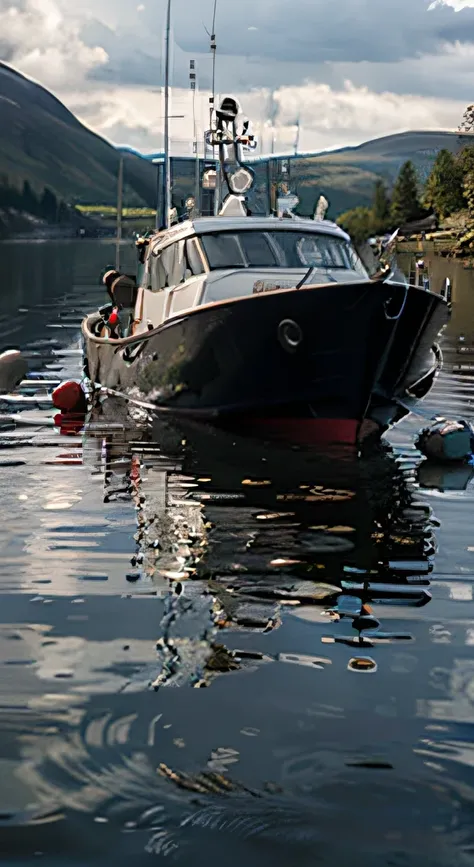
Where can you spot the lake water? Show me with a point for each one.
(216, 650)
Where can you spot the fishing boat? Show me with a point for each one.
(273, 320)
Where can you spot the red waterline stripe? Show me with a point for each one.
(302, 430)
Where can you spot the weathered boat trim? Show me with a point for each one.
(223, 361)
(146, 335)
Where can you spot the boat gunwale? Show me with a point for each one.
(184, 314)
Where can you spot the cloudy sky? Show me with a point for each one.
(350, 70)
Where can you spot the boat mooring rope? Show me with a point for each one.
(140, 403)
(395, 318)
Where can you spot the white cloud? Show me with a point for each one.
(457, 5)
(309, 31)
(46, 45)
(97, 57)
(329, 117)
(334, 117)
(307, 35)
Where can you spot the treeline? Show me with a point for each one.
(25, 200)
(448, 190)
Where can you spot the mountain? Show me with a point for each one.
(42, 142)
(413, 144)
(346, 176)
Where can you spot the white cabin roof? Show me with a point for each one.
(204, 225)
(209, 225)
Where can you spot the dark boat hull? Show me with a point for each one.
(335, 355)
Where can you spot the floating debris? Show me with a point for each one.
(222, 758)
(446, 440)
(362, 664)
(13, 367)
(250, 732)
(304, 659)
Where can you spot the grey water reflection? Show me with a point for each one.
(221, 649)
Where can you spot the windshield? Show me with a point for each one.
(279, 249)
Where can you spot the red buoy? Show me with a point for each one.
(113, 318)
(71, 400)
(70, 397)
(69, 422)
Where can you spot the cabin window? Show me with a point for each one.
(356, 262)
(193, 256)
(155, 276)
(169, 267)
(223, 251)
(146, 278)
(257, 250)
(279, 249)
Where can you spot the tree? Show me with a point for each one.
(380, 208)
(467, 122)
(64, 213)
(10, 197)
(444, 187)
(357, 223)
(465, 161)
(405, 202)
(49, 206)
(4, 192)
(29, 200)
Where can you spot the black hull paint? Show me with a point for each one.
(362, 346)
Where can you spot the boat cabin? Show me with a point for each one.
(211, 260)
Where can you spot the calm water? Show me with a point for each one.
(218, 651)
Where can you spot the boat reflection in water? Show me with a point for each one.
(254, 535)
(445, 477)
(285, 564)
(248, 530)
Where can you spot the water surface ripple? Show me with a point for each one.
(217, 648)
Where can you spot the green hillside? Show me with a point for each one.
(347, 176)
(42, 142)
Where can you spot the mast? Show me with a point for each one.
(297, 139)
(119, 212)
(193, 85)
(213, 51)
(217, 191)
(166, 177)
(271, 174)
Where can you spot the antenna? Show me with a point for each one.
(193, 84)
(297, 139)
(166, 179)
(213, 52)
(212, 105)
(119, 212)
